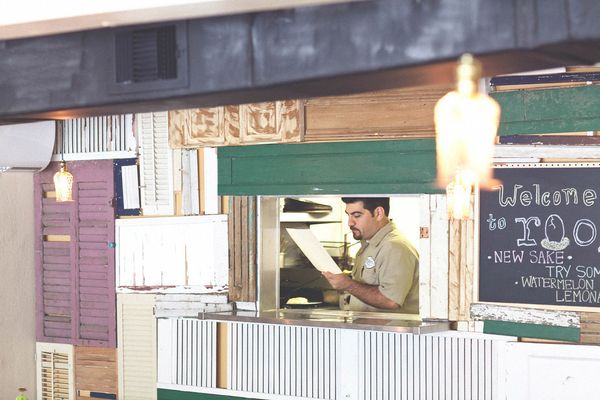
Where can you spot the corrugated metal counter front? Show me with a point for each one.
(387, 322)
(322, 355)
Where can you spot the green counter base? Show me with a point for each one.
(567, 334)
(168, 394)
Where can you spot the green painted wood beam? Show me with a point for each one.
(569, 334)
(370, 167)
(573, 109)
(168, 394)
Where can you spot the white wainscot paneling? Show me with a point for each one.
(549, 371)
(182, 254)
(187, 353)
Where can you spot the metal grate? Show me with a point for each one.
(95, 138)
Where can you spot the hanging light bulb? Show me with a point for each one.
(466, 123)
(63, 184)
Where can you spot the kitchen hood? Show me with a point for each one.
(27, 146)
(296, 205)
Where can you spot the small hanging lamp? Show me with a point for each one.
(466, 122)
(63, 184)
(63, 180)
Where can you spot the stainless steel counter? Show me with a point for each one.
(388, 322)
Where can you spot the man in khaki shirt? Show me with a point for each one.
(385, 276)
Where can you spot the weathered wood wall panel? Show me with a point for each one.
(95, 370)
(268, 122)
(590, 327)
(461, 269)
(573, 109)
(386, 114)
(242, 248)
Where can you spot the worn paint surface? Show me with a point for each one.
(525, 315)
(573, 109)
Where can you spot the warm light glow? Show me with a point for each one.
(63, 184)
(458, 193)
(466, 123)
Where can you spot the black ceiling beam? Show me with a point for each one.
(304, 52)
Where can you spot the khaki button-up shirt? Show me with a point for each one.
(391, 262)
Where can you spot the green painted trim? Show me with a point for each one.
(574, 109)
(168, 394)
(569, 334)
(371, 167)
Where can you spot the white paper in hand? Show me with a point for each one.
(312, 249)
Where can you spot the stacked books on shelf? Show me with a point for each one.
(572, 77)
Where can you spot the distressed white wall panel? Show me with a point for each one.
(55, 371)
(95, 138)
(187, 353)
(187, 252)
(190, 305)
(210, 179)
(156, 164)
(433, 258)
(190, 195)
(550, 371)
(136, 330)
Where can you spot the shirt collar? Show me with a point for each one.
(381, 233)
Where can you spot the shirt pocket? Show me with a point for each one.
(370, 276)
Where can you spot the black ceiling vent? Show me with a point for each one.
(146, 54)
(150, 58)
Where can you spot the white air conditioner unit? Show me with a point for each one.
(26, 147)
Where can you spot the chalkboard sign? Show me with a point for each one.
(539, 241)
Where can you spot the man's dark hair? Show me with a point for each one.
(370, 203)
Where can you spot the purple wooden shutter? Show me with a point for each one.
(76, 279)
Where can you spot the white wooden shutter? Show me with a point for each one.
(95, 138)
(156, 164)
(136, 329)
(55, 376)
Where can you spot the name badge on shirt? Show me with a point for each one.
(370, 263)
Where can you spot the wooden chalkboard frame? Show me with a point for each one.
(485, 273)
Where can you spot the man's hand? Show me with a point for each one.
(369, 294)
(338, 281)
